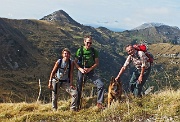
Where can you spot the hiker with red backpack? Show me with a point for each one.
(62, 76)
(142, 63)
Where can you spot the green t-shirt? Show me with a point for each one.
(87, 57)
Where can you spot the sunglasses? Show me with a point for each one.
(89, 43)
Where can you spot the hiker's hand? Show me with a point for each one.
(50, 86)
(72, 87)
(117, 78)
(140, 79)
(82, 70)
(86, 70)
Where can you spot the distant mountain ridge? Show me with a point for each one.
(148, 25)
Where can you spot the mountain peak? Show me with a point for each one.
(148, 25)
(59, 16)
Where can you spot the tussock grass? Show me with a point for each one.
(159, 107)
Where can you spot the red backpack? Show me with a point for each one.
(142, 47)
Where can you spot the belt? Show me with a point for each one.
(62, 80)
(57, 80)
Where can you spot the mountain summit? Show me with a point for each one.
(148, 25)
(60, 16)
(153, 24)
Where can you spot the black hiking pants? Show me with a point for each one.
(93, 77)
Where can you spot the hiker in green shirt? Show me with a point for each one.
(86, 60)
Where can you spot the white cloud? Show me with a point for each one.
(156, 11)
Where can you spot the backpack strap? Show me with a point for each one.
(69, 68)
(81, 56)
(93, 53)
(137, 54)
(81, 53)
(59, 66)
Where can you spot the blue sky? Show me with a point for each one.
(124, 14)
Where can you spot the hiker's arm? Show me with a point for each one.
(96, 60)
(53, 72)
(127, 62)
(141, 74)
(95, 64)
(75, 63)
(77, 66)
(120, 72)
(143, 60)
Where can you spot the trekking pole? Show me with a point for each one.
(83, 82)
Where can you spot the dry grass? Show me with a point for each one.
(159, 107)
(164, 48)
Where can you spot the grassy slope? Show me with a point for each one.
(162, 106)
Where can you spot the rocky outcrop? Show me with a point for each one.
(61, 17)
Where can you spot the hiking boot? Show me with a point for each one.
(100, 106)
